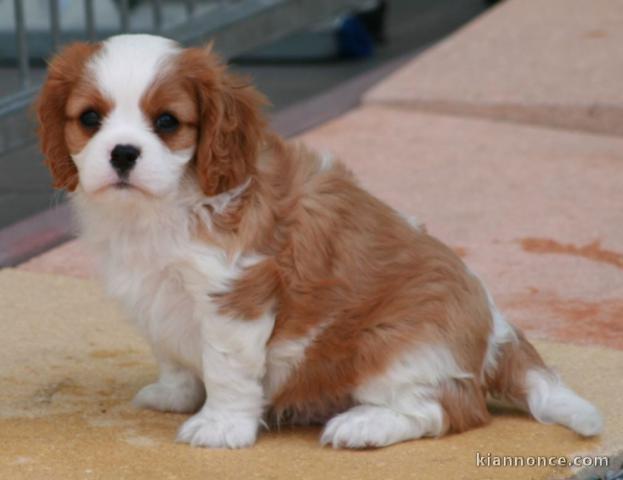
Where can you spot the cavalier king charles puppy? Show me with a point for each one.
(270, 285)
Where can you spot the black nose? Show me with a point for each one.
(123, 158)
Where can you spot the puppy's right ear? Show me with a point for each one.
(231, 125)
(64, 72)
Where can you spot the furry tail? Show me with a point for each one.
(519, 375)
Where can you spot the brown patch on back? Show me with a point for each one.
(591, 251)
(64, 73)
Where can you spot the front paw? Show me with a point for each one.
(219, 429)
(170, 398)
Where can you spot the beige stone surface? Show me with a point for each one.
(69, 366)
(547, 62)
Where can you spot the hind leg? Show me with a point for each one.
(366, 426)
(423, 394)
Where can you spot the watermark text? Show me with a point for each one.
(490, 460)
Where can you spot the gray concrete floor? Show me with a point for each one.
(412, 25)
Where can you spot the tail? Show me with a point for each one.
(516, 372)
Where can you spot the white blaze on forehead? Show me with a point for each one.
(127, 65)
(124, 70)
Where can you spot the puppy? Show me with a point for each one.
(269, 284)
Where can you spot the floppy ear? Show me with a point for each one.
(231, 125)
(63, 73)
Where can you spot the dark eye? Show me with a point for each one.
(91, 119)
(166, 123)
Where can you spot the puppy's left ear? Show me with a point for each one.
(63, 73)
(231, 124)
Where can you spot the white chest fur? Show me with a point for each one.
(162, 276)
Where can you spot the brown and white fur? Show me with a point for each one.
(263, 274)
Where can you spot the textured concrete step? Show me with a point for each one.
(545, 62)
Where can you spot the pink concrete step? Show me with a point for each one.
(547, 62)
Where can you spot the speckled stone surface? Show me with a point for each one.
(71, 365)
(547, 62)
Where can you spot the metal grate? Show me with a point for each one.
(237, 26)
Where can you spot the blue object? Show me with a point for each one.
(354, 40)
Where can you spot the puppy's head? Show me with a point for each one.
(132, 115)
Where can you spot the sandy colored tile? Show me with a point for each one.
(70, 365)
(548, 62)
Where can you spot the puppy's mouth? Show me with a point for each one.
(121, 185)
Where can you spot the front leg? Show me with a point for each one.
(234, 357)
(177, 390)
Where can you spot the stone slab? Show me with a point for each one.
(70, 365)
(545, 62)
